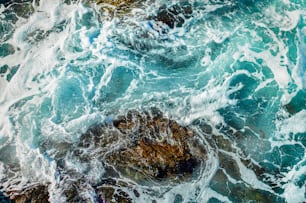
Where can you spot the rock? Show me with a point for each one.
(32, 194)
(172, 16)
(152, 30)
(118, 7)
(112, 195)
(109, 190)
(117, 3)
(147, 146)
(175, 15)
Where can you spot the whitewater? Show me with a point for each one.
(234, 71)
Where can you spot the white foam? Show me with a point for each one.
(2, 8)
(209, 193)
(299, 71)
(247, 175)
(294, 124)
(278, 69)
(206, 103)
(294, 193)
(2, 171)
(84, 122)
(35, 60)
(284, 19)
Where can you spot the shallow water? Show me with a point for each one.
(235, 65)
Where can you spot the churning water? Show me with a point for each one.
(239, 66)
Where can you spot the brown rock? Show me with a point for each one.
(118, 7)
(33, 194)
(112, 195)
(172, 16)
(116, 2)
(148, 146)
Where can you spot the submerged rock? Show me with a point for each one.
(175, 15)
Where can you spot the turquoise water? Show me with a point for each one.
(237, 66)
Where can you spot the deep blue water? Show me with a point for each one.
(237, 66)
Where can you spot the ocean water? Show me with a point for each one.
(238, 66)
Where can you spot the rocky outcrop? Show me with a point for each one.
(148, 146)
